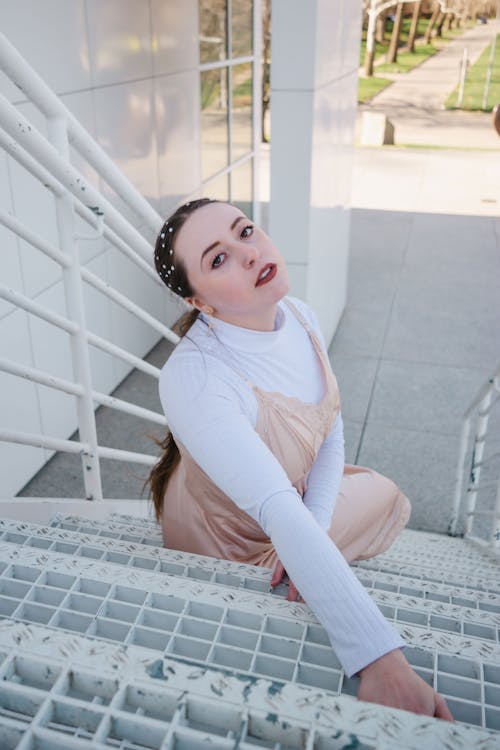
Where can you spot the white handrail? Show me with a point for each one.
(61, 384)
(35, 88)
(48, 161)
(482, 405)
(32, 141)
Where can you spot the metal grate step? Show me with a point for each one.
(221, 615)
(60, 691)
(404, 604)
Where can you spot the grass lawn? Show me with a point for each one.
(408, 60)
(475, 82)
(368, 87)
(381, 49)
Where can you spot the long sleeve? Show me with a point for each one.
(204, 413)
(325, 476)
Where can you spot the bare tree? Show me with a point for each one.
(432, 23)
(392, 55)
(414, 26)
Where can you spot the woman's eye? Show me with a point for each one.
(218, 260)
(247, 231)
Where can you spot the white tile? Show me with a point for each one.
(177, 118)
(125, 129)
(119, 41)
(290, 177)
(327, 268)
(52, 37)
(81, 105)
(293, 43)
(328, 45)
(11, 266)
(351, 36)
(127, 330)
(52, 354)
(175, 36)
(324, 168)
(34, 206)
(98, 320)
(298, 279)
(18, 406)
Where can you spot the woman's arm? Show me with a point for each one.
(325, 476)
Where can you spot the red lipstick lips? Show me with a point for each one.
(267, 273)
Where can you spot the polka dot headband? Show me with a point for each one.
(165, 271)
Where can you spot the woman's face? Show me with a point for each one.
(232, 265)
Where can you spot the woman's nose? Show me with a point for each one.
(250, 255)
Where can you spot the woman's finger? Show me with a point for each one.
(441, 709)
(278, 574)
(293, 594)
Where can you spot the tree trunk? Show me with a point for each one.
(266, 57)
(447, 22)
(370, 41)
(381, 27)
(432, 23)
(392, 55)
(439, 24)
(414, 26)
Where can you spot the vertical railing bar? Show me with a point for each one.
(477, 454)
(495, 531)
(73, 291)
(459, 480)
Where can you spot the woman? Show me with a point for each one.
(253, 469)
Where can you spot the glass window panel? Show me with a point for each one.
(213, 30)
(241, 122)
(214, 121)
(242, 187)
(218, 188)
(241, 27)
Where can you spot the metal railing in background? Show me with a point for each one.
(480, 408)
(48, 161)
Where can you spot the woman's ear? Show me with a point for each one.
(199, 305)
(194, 302)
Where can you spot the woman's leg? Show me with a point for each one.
(370, 512)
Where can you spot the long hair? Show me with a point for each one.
(173, 273)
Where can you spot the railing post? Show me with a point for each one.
(495, 532)
(464, 439)
(477, 455)
(73, 291)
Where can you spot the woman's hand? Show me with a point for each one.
(279, 573)
(391, 681)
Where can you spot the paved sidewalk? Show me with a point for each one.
(414, 102)
(421, 329)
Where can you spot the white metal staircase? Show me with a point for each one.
(109, 640)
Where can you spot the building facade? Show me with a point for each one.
(171, 91)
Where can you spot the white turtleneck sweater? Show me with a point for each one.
(213, 413)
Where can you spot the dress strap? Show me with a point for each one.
(298, 314)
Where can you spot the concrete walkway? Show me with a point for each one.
(414, 102)
(421, 329)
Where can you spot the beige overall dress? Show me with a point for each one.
(370, 510)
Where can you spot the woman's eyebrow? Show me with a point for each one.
(214, 244)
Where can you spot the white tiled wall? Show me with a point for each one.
(128, 71)
(315, 58)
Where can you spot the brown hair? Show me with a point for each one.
(173, 273)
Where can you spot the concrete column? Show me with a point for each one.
(315, 58)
